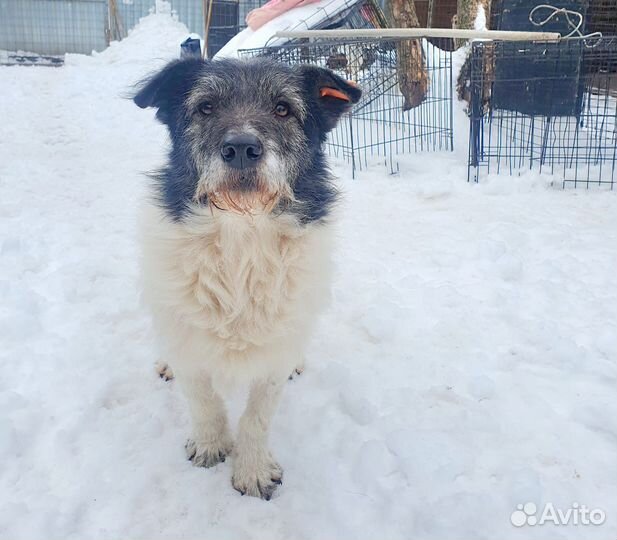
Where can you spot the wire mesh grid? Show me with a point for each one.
(228, 17)
(336, 15)
(355, 15)
(49, 27)
(390, 119)
(545, 106)
(36, 31)
(602, 17)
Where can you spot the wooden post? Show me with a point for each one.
(466, 13)
(207, 12)
(429, 14)
(411, 70)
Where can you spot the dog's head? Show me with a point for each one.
(246, 135)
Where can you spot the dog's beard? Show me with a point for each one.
(244, 202)
(245, 193)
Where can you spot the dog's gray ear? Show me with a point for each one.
(329, 94)
(168, 88)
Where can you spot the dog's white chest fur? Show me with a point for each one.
(241, 282)
(243, 275)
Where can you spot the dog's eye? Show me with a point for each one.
(281, 109)
(205, 108)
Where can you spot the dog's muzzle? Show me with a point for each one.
(241, 151)
(245, 187)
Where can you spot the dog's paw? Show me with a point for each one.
(206, 455)
(258, 481)
(164, 371)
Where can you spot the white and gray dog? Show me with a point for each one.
(237, 240)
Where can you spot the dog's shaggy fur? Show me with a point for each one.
(236, 253)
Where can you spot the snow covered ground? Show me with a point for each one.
(467, 364)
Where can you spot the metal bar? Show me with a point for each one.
(458, 33)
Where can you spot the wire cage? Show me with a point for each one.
(404, 107)
(356, 15)
(545, 106)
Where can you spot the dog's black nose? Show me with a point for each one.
(241, 151)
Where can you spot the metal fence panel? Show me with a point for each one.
(53, 26)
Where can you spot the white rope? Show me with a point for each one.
(575, 26)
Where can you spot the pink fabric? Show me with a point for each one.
(260, 16)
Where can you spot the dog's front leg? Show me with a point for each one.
(255, 472)
(211, 440)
